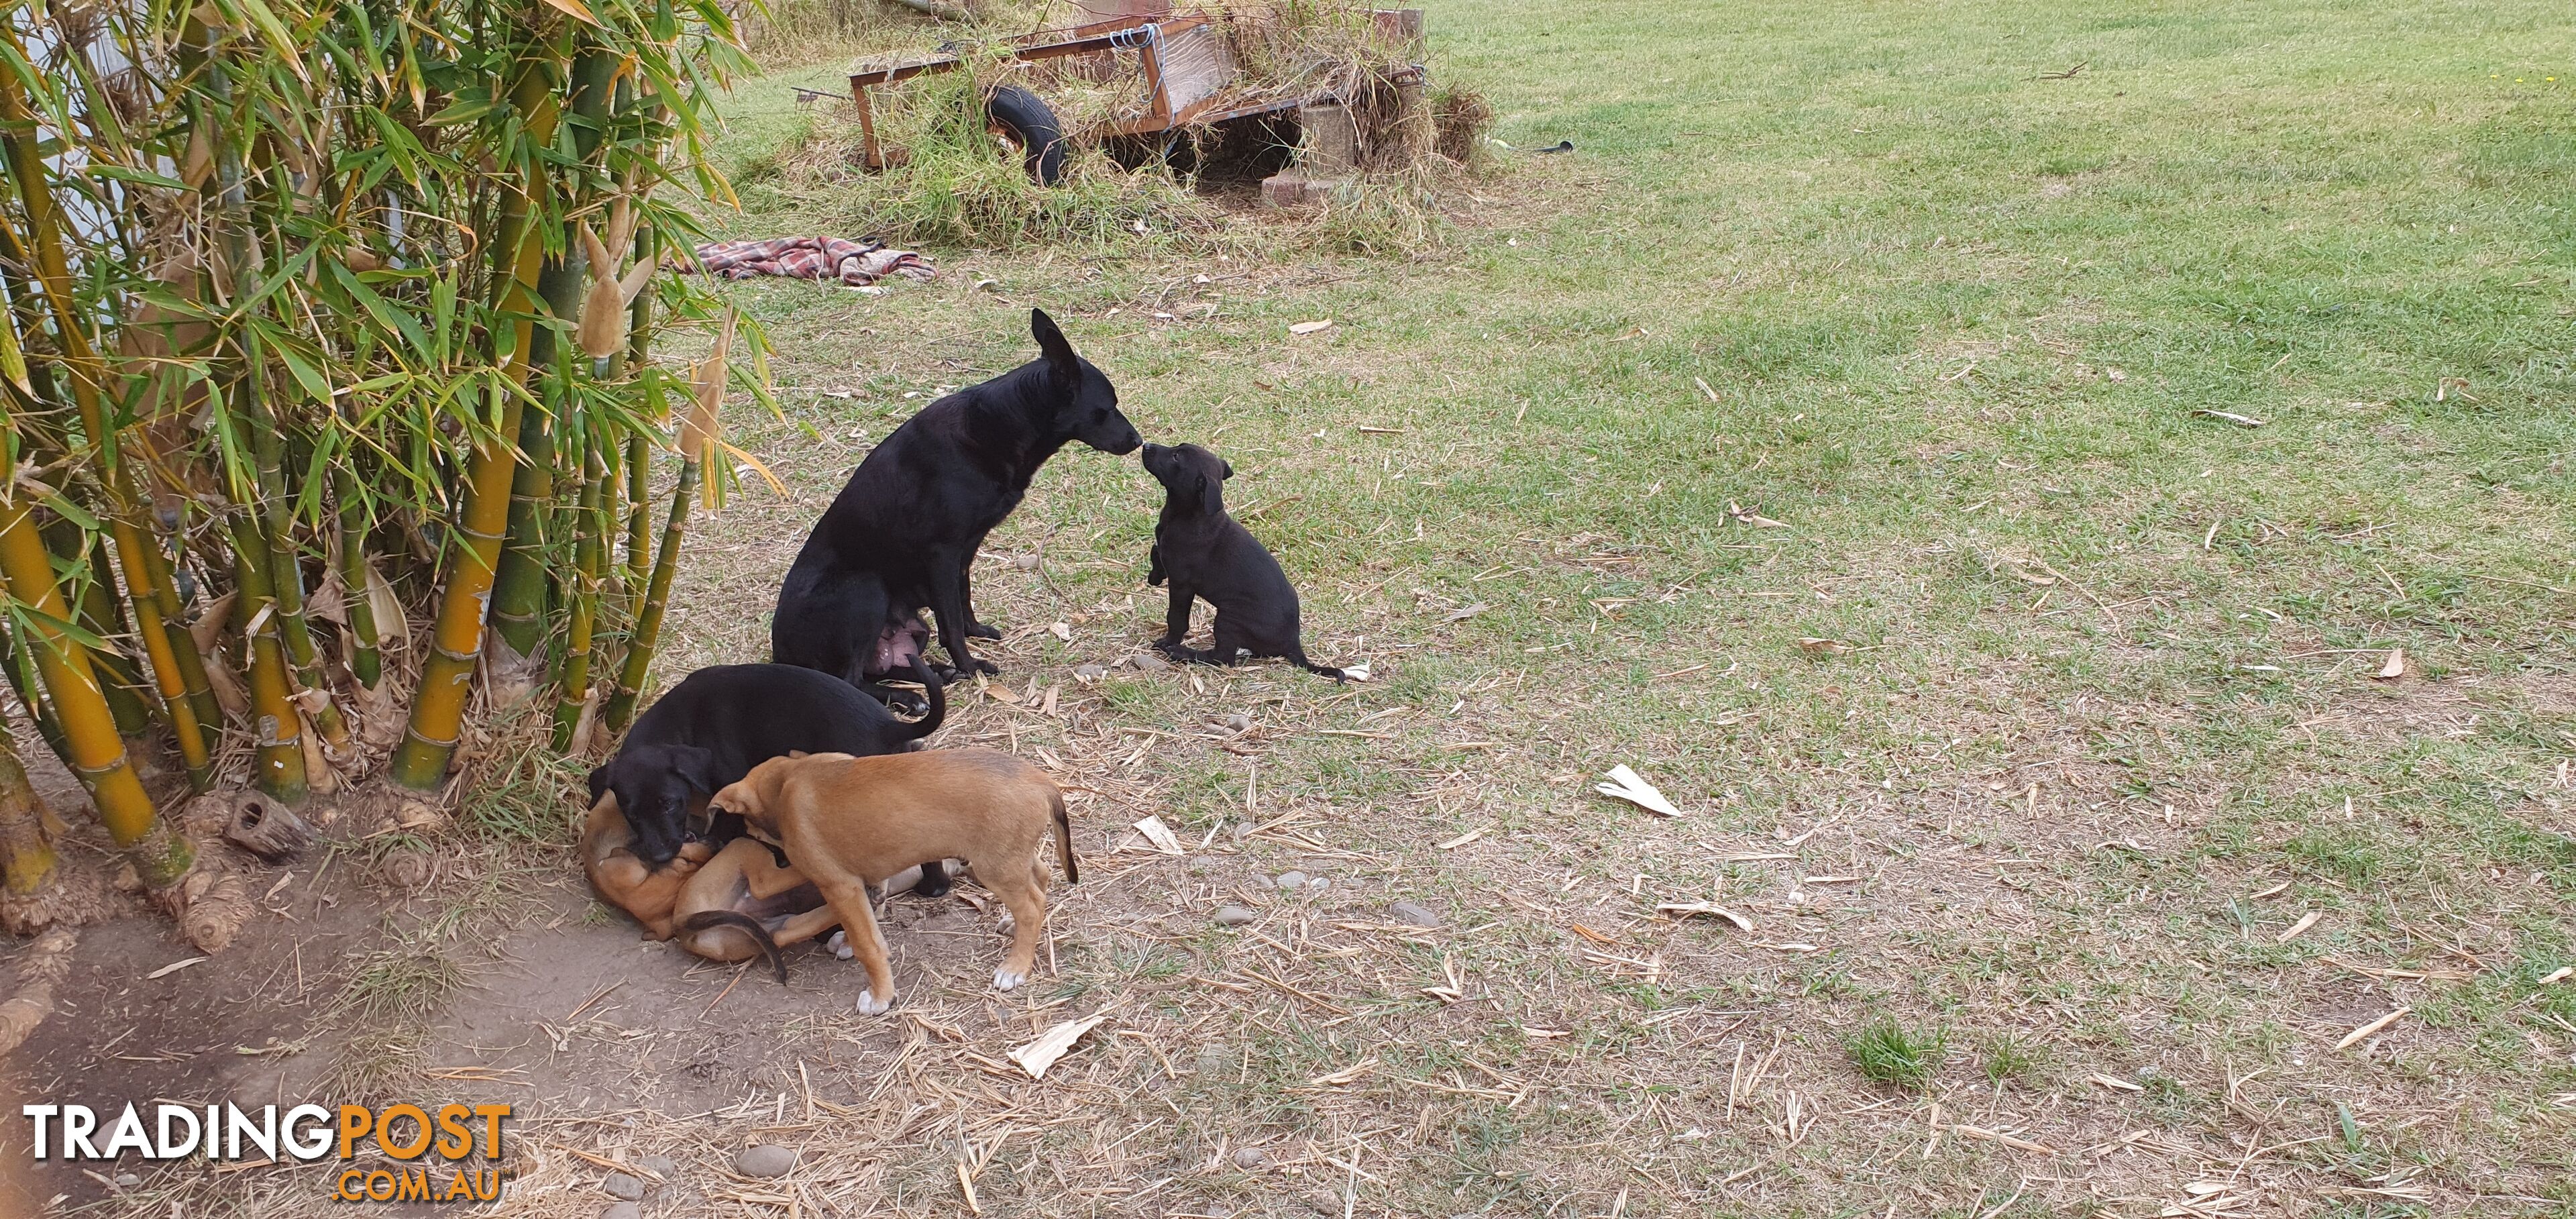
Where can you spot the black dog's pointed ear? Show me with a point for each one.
(696, 766)
(1052, 343)
(1229, 468)
(598, 783)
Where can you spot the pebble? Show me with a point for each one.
(127, 1180)
(1090, 672)
(1318, 885)
(1233, 916)
(658, 1165)
(1151, 663)
(1292, 881)
(1204, 863)
(1242, 830)
(622, 1187)
(1025, 562)
(1239, 722)
(1412, 915)
(1248, 1158)
(765, 1160)
(621, 1210)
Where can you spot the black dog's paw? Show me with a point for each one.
(934, 881)
(978, 630)
(1172, 647)
(982, 665)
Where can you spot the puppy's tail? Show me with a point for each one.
(1297, 652)
(748, 925)
(932, 690)
(1064, 838)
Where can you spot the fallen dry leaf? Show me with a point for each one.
(1160, 835)
(1063, 631)
(1038, 1055)
(1711, 909)
(2231, 417)
(1626, 785)
(2395, 667)
(2112, 1081)
(1311, 327)
(1814, 646)
(174, 967)
(2299, 928)
(2354, 1037)
(1357, 672)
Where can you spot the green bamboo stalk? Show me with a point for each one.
(30, 690)
(366, 659)
(285, 571)
(277, 731)
(590, 527)
(638, 665)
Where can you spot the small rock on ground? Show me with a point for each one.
(1292, 881)
(1249, 1158)
(1150, 663)
(1412, 915)
(127, 1180)
(1089, 672)
(622, 1187)
(662, 1165)
(765, 1160)
(621, 1210)
(1233, 916)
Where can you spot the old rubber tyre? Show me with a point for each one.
(1031, 125)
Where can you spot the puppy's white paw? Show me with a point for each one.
(870, 1005)
(840, 946)
(1006, 977)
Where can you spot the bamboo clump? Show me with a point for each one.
(324, 396)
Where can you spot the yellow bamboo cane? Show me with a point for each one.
(456, 643)
(98, 753)
(173, 654)
(26, 853)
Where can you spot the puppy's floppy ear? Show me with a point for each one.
(598, 783)
(1229, 468)
(696, 766)
(1052, 344)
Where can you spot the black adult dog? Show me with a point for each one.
(903, 533)
(1206, 553)
(719, 722)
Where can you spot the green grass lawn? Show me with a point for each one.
(2068, 679)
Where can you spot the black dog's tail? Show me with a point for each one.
(1064, 839)
(748, 925)
(932, 690)
(1297, 652)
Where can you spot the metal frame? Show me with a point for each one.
(1144, 35)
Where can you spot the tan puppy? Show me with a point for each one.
(624, 880)
(847, 821)
(744, 903)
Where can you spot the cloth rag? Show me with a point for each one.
(855, 263)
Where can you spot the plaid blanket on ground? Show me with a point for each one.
(857, 263)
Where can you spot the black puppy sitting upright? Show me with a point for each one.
(903, 533)
(1206, 553)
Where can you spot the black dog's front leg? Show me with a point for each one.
(948, 604)
(975, 627)
(1176, 622)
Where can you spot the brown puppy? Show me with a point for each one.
(746, 903)
(622, 877)
(849, 821)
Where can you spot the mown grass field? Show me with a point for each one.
(1829, 438)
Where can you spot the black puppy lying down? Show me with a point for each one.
(719, 722)
(1205, 553)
